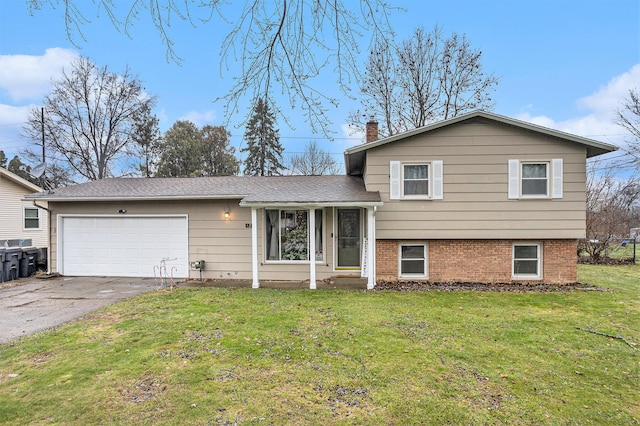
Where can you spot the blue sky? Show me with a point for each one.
(565, 64)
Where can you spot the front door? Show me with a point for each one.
(348, 238)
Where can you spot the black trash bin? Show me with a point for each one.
(12, 257)
(42, 259)
(29, 262)
(2, 253)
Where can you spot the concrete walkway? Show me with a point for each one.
(30, 305)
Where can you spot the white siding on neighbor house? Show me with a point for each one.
(475, 200)
(12, 214)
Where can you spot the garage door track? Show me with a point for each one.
(34, 305)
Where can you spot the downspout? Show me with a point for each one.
(48, 235)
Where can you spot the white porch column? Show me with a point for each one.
(254, 247)
(371, 252)
(312, 248)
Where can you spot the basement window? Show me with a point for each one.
(527, 261)
(413, 260)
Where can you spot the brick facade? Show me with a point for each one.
(480, 261)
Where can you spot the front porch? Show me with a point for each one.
(334, 283)
(299, 240)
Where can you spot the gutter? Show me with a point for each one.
(41, 207)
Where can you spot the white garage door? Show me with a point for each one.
(123, 246)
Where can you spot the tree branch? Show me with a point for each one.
(618, 337)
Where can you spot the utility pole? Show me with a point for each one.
(42, 123)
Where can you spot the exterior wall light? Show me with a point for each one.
(226, 212)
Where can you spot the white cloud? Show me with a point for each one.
(26, 77)
(352, 136)
(608, 98)
(599, 107)
(200, 118)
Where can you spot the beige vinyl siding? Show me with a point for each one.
(476, 204)
(12, 214)
(224, 245)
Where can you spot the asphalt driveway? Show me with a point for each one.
(38, 304)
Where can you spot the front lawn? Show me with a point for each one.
(243, 356)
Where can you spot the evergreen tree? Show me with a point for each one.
(186, 151)
(146, 141)
(263, 142)
(17, 167)
(180, 151)
(3, 160)
(218, 157)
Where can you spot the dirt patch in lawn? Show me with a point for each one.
(148, 387)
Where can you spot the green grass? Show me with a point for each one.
(219, 356)
(618, 251)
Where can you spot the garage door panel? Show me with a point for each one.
(123, 246)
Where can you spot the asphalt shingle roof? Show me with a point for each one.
(251, 189)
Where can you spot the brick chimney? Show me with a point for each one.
(372, 130)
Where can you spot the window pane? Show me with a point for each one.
(31, 223)
(293, 235)
(412, 267)
(412, 252)
(534, 170)
(31, 213)
(416, 187)
(534, 187)
(272, 238)
(529, 267)
(416, 171)
(526, 252)
(319, 254)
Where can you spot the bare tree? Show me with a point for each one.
(425, 78)
(313, 162)
(629, 118)
(89, 118)
(285, 43)
(612, 210)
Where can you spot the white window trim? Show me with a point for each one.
(293, 262)
(538, 275)
(554, 179)
(426, 259)
(24, 218)
(435, 177)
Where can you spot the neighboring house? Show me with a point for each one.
(19, 219)
(476, 198)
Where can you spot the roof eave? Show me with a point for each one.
(307, 204)
(20, 181)
(54, 198)
(598, 148)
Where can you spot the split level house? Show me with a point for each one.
(20, 220)
(476, 198)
